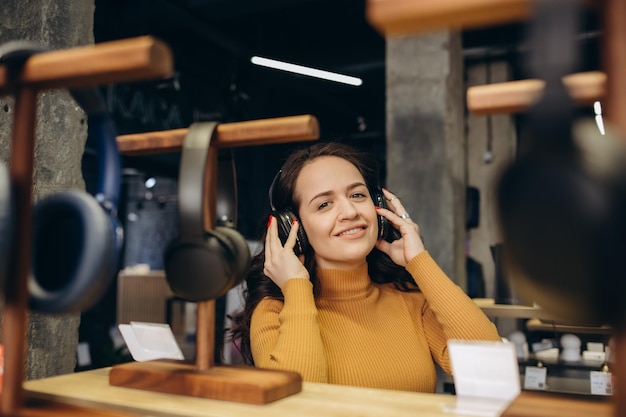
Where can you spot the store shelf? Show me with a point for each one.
(551, 326)
(490, 308)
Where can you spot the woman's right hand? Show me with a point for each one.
(281, 262)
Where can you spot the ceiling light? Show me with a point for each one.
(150, 182)
(311, 72)
(597, 109)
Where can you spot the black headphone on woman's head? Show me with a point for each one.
(202, 265)
(287, 215)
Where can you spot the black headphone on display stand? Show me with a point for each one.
(562, 204)
(285, 217)
(77, 238)
(202, 265)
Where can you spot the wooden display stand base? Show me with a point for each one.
(229, 383)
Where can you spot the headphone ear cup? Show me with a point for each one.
(241, 253)
(196, 269)
(383, 224)
(74, 253)
(385, 228)
(285, 219)
(200, 270)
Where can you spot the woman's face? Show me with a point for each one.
(337, 212)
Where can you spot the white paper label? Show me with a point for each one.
(601, 383)
(535, 378)
(484, 369)
(149, 341)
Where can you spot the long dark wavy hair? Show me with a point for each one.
(258, 286)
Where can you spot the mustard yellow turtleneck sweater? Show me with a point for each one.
(364, 334)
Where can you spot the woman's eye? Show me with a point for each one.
(323, 205)
(358, 195)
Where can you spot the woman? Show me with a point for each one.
(352, 309)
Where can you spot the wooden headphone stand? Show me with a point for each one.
(119, 61)
(205, 379)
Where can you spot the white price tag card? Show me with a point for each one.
(484, 369)
(601, 383)
(149, 341)
(535, 378)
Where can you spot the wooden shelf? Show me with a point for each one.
(398, 17)
(538, 325)
(490, 308)
(402, 17)
(516, 96)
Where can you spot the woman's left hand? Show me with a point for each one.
(402, 250)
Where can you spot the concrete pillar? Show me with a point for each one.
(61, 135)
(426, 140)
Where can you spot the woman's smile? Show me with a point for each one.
(353, 233)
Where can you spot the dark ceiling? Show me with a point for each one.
(213, 41)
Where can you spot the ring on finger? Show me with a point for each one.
(405, 216)
(392, 198)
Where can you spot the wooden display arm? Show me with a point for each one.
(517, 96)
(236, 134)
(401, 17)
(204, 379)
(127, 60)
(120, 61)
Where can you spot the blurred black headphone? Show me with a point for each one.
(202, 265)
(285, 216)
(77, 238)
(562, 204)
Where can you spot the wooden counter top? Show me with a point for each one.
(91, 389)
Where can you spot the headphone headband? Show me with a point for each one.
(190, 190)
(101, 128)
(271, 190)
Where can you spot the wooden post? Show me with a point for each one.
(205, 323)
(16, 291)
(614, 63)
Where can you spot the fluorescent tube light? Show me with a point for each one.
(600, 124)
(311, 72)
(597, 109)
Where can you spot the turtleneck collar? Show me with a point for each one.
(344, 283)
